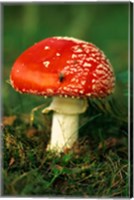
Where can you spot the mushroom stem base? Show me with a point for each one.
(65, 122)
(64, 131)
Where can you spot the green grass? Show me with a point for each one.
(97, 166)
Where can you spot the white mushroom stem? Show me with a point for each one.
(65, 122)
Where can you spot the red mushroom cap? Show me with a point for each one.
(63, 66)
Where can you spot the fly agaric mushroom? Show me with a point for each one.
(70, 71)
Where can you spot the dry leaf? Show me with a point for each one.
(108, 143)
(8, 121)
(31, 132)
(11, 162)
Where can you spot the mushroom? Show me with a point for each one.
(69, 70)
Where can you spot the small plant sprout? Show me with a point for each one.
(70, 71)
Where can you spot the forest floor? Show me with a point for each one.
(96, 166)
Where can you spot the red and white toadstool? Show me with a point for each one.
(70, 71)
